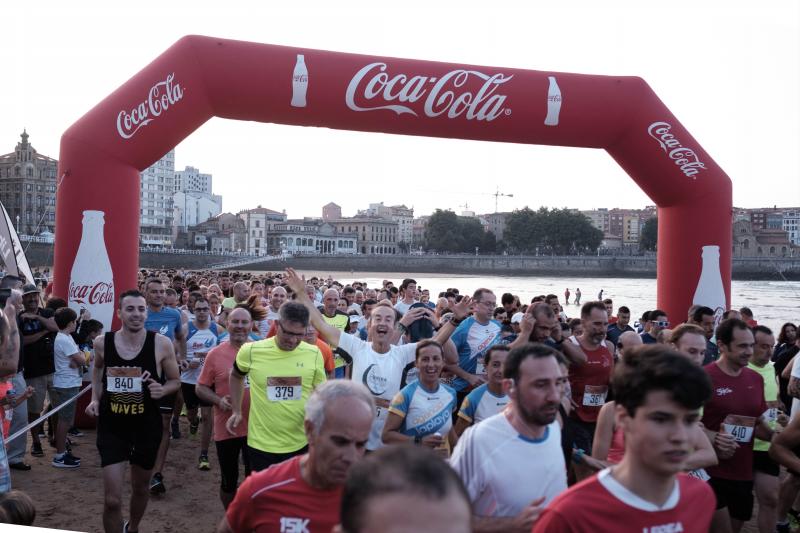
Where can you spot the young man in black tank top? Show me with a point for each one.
(130, 366)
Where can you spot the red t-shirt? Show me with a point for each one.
(215, 374)
(589, 382)
(603, 504)
(279, 500)
(741, 396)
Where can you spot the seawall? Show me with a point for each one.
(595, 266)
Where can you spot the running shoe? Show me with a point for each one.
(175, 429)
(66, 460)
(36, 449)
(203, 463)
(157, 484)
(193, 427)
(75, 432)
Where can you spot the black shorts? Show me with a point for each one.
(136, 441)
(763, 463)
(228, 451)
(190, 398)
(736, 495)
(167, 404)
(261, 460)
(579, 433)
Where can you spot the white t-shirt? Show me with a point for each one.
(381, 373)
(497, 465)
(65, 377)
(403, 307)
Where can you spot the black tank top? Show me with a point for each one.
(125, 396)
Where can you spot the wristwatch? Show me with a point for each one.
(417, 439)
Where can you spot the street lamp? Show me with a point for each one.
(17, 223)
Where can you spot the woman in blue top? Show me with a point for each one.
(488, 399)
(422, 412)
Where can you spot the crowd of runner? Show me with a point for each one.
(380, 409)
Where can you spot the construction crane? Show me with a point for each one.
(497, 195)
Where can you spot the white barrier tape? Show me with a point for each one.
(48, 414)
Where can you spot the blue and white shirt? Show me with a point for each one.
(198, 343)
(473, 340)
(424, 412)
(481, 403)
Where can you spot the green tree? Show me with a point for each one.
(447, 232)
(559, 231)
(648, 240)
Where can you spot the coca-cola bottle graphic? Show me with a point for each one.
(553, 102)
(299, 82)
(91, 282)
(710, 292)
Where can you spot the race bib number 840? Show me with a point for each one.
(124, 379)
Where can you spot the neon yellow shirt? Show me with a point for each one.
(280, 384)
(767, 373)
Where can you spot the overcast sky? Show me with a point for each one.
(729, 70)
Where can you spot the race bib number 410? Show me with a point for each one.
(284, 389)
(124, 379)
(741, 427)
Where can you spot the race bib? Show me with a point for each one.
(480, 369)
(284, 389)
(741, 427)
(594, 395)
(381, 406)
(699, 473)
(124, 379)
(771, 414)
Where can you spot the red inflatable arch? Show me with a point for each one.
(202, 77)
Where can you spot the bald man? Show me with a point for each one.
(341, 321)
(241, 291)
(626, 341)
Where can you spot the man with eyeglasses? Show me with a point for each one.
(282, 371)
(203, 334)
(658, 322)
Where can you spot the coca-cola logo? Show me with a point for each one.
(162, 95)
(448, 95)
(97, 294)
(683, 156)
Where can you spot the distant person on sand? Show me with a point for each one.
(600, 295)
(577, 297)
(566, 296)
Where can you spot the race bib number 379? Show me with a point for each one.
(284, 389)
(124, 379)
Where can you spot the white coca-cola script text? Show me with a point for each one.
(683, 156)
(162, 95)
(99, 293)
(445, 95)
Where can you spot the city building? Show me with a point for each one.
(376, 235)
(418, 231)
(331, 211)
(766, 242)
(402, 215)
(222, 233)
(309, 236)
(193, 201)
(791, 225)
(496, 223)
(156, 213)
(256, 223)
(28, 188)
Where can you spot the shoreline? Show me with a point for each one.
(642, 267)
